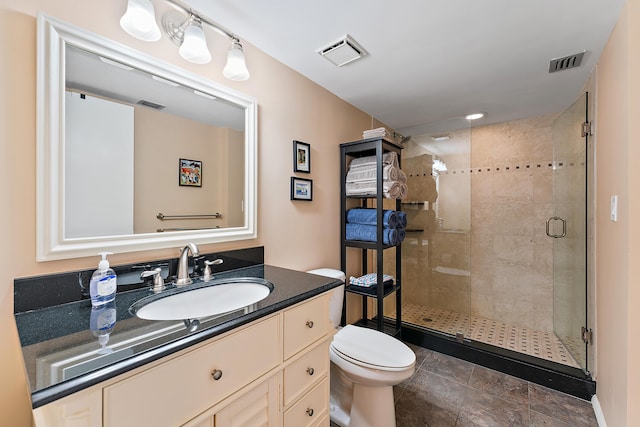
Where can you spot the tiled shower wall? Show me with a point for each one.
(511, 198)
(505, 249)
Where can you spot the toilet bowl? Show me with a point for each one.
(365, 365)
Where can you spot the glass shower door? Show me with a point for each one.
(567, 228)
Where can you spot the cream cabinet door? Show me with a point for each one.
(177, 390)
(82, 409)
(256, 408)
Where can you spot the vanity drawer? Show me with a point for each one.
(175, 391)
(310, 409)
(305, 324)
(305, 371)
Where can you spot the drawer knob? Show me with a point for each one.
(310, 323)
(310, 371)
(310, 412)
(216, 374)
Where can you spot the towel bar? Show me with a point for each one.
(163, 217)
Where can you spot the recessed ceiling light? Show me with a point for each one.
(204, 95)
(165, 81)
(442, 137)
(115, 63)
(475, 116)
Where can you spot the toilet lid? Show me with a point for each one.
(368, 347)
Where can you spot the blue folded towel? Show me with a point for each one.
(369, 216)
(402, 219)
(401, 235)
(369, 233)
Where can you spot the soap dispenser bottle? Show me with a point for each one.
(102, 287)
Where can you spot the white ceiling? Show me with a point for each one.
(431, 60)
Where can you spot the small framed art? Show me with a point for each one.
(190, 173)
(301, 157)
(301, 189)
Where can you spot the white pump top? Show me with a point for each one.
(104, 262)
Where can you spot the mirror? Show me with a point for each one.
(136, 154)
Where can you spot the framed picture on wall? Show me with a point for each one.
(301, 157)
(301, 189)
(190, 173)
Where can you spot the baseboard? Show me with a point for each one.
(597, 409)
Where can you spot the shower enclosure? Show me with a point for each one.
(496, 240)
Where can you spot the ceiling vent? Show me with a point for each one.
(565, 63)
(150, 104)
(343, 51)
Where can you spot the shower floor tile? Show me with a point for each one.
(540, 344)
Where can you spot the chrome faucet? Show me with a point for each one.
(182, 276)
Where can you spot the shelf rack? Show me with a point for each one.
(370, 147)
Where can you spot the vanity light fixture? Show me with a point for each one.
(186, 32)
(140, 20)
(236, 68)
(194, 44)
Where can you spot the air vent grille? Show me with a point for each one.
(565, 63)
(342, 51)
(150, 104)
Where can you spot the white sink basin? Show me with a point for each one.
(203, 299)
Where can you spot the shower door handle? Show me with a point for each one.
(564, 227)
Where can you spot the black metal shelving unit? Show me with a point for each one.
(370, 147)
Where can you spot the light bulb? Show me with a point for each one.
(236, 68)
(140, 21)
(194, 45)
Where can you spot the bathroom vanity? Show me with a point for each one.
(266, 364)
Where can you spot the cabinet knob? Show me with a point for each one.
(310, 412)
(216, 374)
(310, 323)
(310, 371)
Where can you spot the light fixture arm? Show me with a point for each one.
(189, 11)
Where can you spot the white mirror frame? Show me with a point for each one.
(53, 36)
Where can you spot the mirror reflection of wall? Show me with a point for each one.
(121, 166)
(114, 187)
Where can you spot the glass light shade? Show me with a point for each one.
(140, 21)
(236, 68)
(194, 45)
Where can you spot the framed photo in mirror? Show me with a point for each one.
(301, 157)
(190, 173)
(301, 189)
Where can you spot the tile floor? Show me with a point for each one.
(449, 392)
(535, 343)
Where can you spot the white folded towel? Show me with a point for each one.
(360, 174)
(390, 158)
(390, 189)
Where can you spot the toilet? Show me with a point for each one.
(365, 365)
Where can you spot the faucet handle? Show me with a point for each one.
(207, 270)
(158, 281)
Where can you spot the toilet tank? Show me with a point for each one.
(337, 294)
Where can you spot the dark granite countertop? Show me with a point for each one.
(63, 356)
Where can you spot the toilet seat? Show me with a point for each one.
(372, 349)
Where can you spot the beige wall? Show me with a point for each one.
(298, 235)
(162, 139)
(618, 243)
